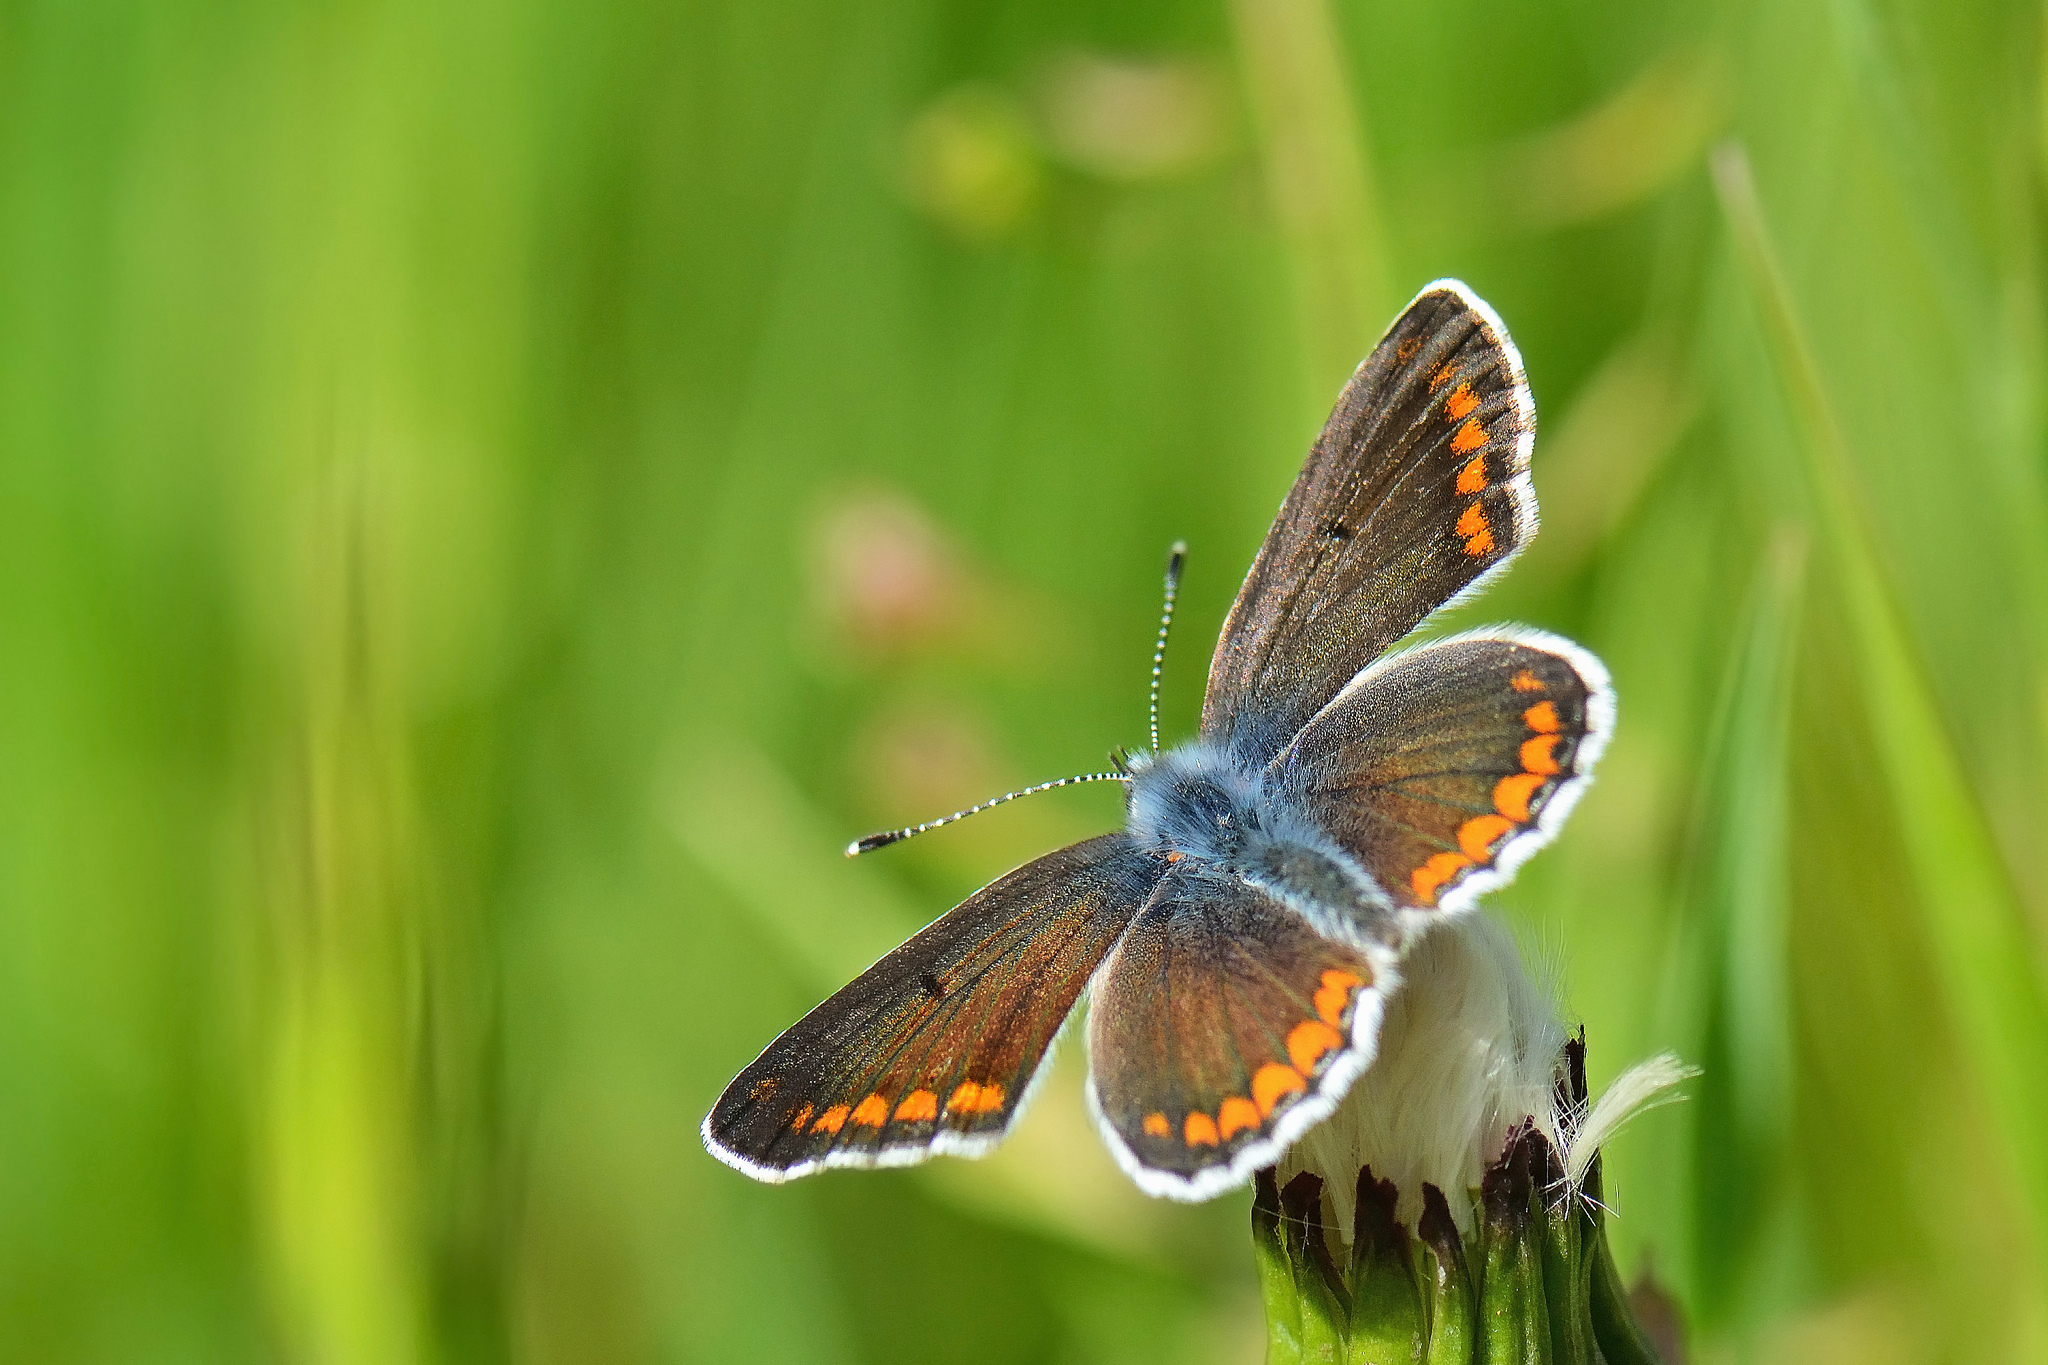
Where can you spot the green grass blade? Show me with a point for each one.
(1318, 177)
(1984, 958)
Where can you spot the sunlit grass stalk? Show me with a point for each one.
(345, 1265)
(1318, 176)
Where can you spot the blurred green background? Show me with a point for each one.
(493, 496)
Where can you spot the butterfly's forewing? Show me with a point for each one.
(1221, 1029)
(1417, 486)
(1441, 769)
(932, 1048)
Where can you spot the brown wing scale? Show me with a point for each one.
(932, 1048)
(1441, 769)
(1220, 1029)
(1416, 488)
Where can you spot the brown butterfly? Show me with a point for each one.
(1238, 938)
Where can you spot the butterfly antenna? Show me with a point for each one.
(1174, 563)
(897, 836)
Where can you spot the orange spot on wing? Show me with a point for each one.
(1539, 755)
(1511, 796)
(918, 1105)
(970, 1097)
(1443, 374)
(802, 1117)
(1478, 535)
(1542, 718)
(1334, 995)
(1472, 478)
(1200, 1131)
(1434, 873)
(1236, 1115)
(1476, 835)
(1175, 857)
(832, 1120)
(1469, 437)
(1461, 402)
(873, 1111)
(1308, 1040)
(1525, 681)
(1407, 349)
(1157, 1126)
(1273, 1082)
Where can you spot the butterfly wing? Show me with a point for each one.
(1443, 768)
(933, 1048)
(1416, 488)
(1220, 1030)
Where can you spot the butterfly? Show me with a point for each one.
(1238, 939)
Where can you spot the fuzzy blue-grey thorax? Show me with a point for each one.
(1199, 802)
(1202, 803)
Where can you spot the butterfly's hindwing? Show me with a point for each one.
(1417, 486)
(1441, 769)
(1222, 1028)
(933, 1047)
